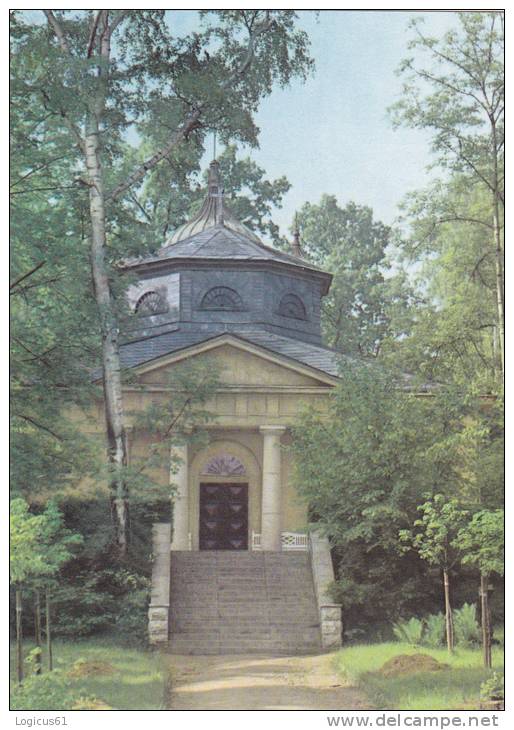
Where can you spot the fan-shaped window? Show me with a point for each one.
(292, 306)
(151, 303)
(224, 465)
(222, 298)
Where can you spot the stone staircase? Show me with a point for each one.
(235, 602)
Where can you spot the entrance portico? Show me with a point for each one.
(204, 482)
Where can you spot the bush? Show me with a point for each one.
(49, 691)
(435, 629)
(467, 630)
(132, 619)
(493, 688)
(410, 631)
(110, 599)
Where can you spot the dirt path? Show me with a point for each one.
(259, 683)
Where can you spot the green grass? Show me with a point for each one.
(451, 689)
(136, 684)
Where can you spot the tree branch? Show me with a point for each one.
(25, 276)
(37, 169)
(117, 20)
(192, 121)
(254, 33)
(31, 420)
(92, 34)
(139, 173)
(58, 30)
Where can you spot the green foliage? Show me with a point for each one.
(40, 544)
(438, 529)
(449, 83)
(363, 468)
(435, 629)
(454, 89)
(104, 599)
(145, 91)
(48, 691)
(367, 303)
(482, 541)
(455, 688)
(493, 688)
(119, 677)
(467, 631)
(411, 631)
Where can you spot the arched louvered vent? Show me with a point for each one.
(151, 303)
(222, 298)
(292, 306)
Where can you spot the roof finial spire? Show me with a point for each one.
(215, 193)
(295, 246)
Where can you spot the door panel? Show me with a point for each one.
(223, 516)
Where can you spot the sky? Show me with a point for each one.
(332, 134)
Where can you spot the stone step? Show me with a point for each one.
(239, 602)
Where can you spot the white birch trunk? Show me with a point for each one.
(116, 441)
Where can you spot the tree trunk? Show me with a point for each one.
(486, 620)
(48, 632)
(116, 439)
(19, 637)
(448, 611)
(498, 261)
(37, 630)
(498, 251)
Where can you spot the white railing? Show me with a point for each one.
(290, 541)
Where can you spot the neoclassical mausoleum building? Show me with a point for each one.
(236, 568)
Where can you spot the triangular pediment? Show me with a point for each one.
(239, 364)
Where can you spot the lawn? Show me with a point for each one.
(128, 679)
(455, 688)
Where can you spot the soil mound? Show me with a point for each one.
(410, 663)
(83, 668)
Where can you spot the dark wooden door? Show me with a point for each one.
(223, 516)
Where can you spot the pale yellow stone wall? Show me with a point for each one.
(255, 391)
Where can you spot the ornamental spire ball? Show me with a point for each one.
(295, 246)
(216, 191)
(213, 212)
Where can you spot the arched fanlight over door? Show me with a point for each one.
(224, 465)
(151, 303)
(222, 298)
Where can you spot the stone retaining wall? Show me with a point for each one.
(158, 612)
(323, 575)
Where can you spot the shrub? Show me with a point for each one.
(467, 631)
(49, 691)
(435, 628)
(410, 631)
(493, 688)
(132, 619)
(110, 599)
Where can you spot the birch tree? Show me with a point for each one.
(100, 73)
(454, 88)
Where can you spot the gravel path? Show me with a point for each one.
(259, 683)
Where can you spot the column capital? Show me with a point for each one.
(272, 429)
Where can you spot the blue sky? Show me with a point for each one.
(333, 134)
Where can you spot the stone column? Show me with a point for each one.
(271, 527)
(180, 534)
